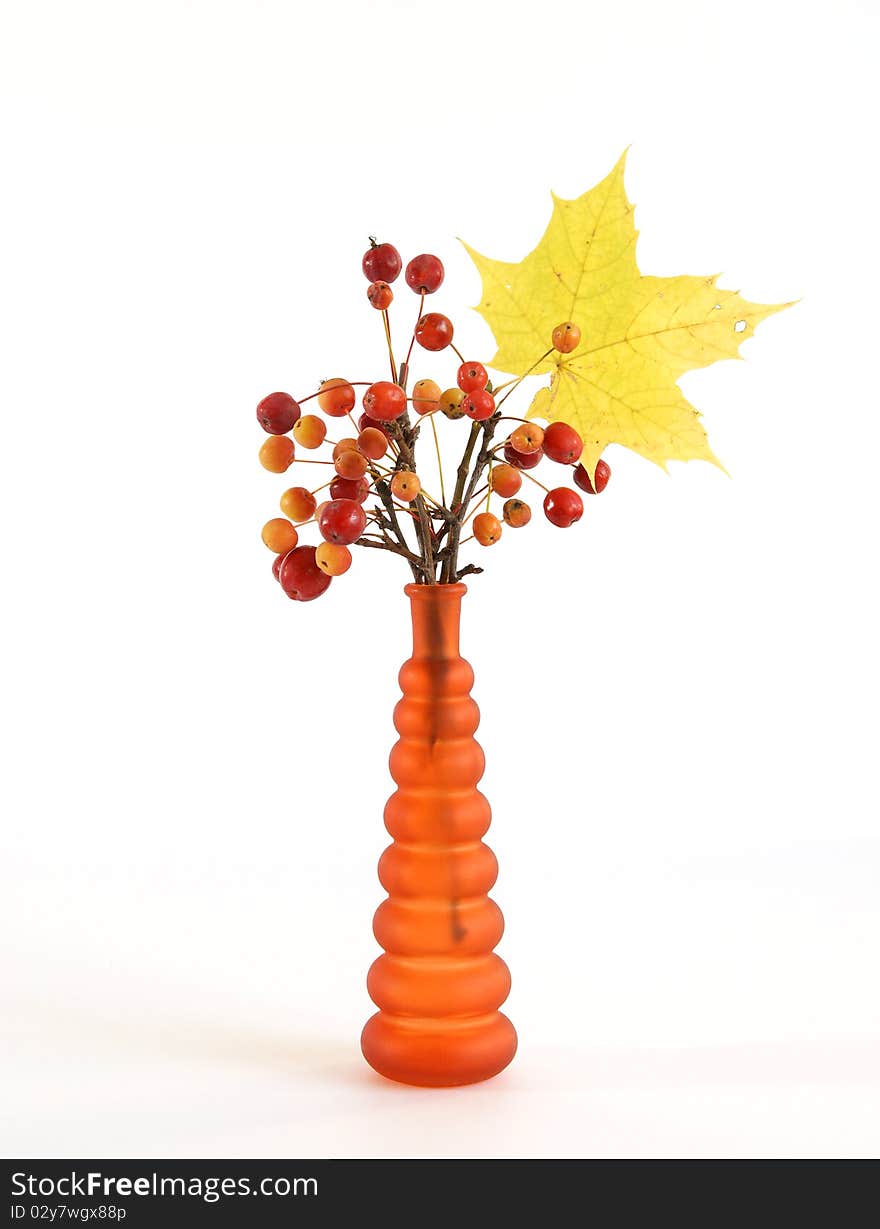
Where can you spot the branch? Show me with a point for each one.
(390, 546)
(463, 498)
(452, 527)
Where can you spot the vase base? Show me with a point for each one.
(438, 1053)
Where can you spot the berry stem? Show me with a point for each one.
(405, 436)
(465, 487)
(353, 383)
(387, 324)
(439, 459)
(412, 340)
(525, 474)
(520, 379)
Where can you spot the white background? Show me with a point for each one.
(678, 696)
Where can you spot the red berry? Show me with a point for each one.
(384, 401)
(342, 521)
(563, 507)
(478, 404)
(276, 565)
(582, 478)
(381, 262)
(277, 413)
(562, 443)
(366, 421)
(424, 273)
(472, 376)
(350, 488)
(380, 295)
(301, 578)
(522, 460)
(434, 331)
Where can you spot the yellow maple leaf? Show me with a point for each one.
(638, 334)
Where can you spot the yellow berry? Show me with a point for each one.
(309, 432)
(336, 397)
(372, 443)
(450, 402)
(487, 529)
(350, 464)
(333, 558)
(298, 504)
(566, 337)
(516, 512)
(279, 535)
(276, 453)
(525, 439)
(405, 486)
(426, 396)
(505, 480)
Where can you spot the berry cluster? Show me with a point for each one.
(374, 496)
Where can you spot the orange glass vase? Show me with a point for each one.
(439, 984)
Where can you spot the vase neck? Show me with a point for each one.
(436, 617)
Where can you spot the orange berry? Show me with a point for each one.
(450, 402)
(505, 479)
(372, 443)
(516, 513)
(350, 464)
(276, 453)
(487, 529)
(336, 397)
(405, 486)
(346, 444)
(566, 337)
(298, 503)
(279, 535)
(525, 439)
(426, 396)
(332, 558)
(310, 431)
(380, 295)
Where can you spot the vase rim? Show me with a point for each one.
(456, 589)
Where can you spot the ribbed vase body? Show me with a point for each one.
(439, 984)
